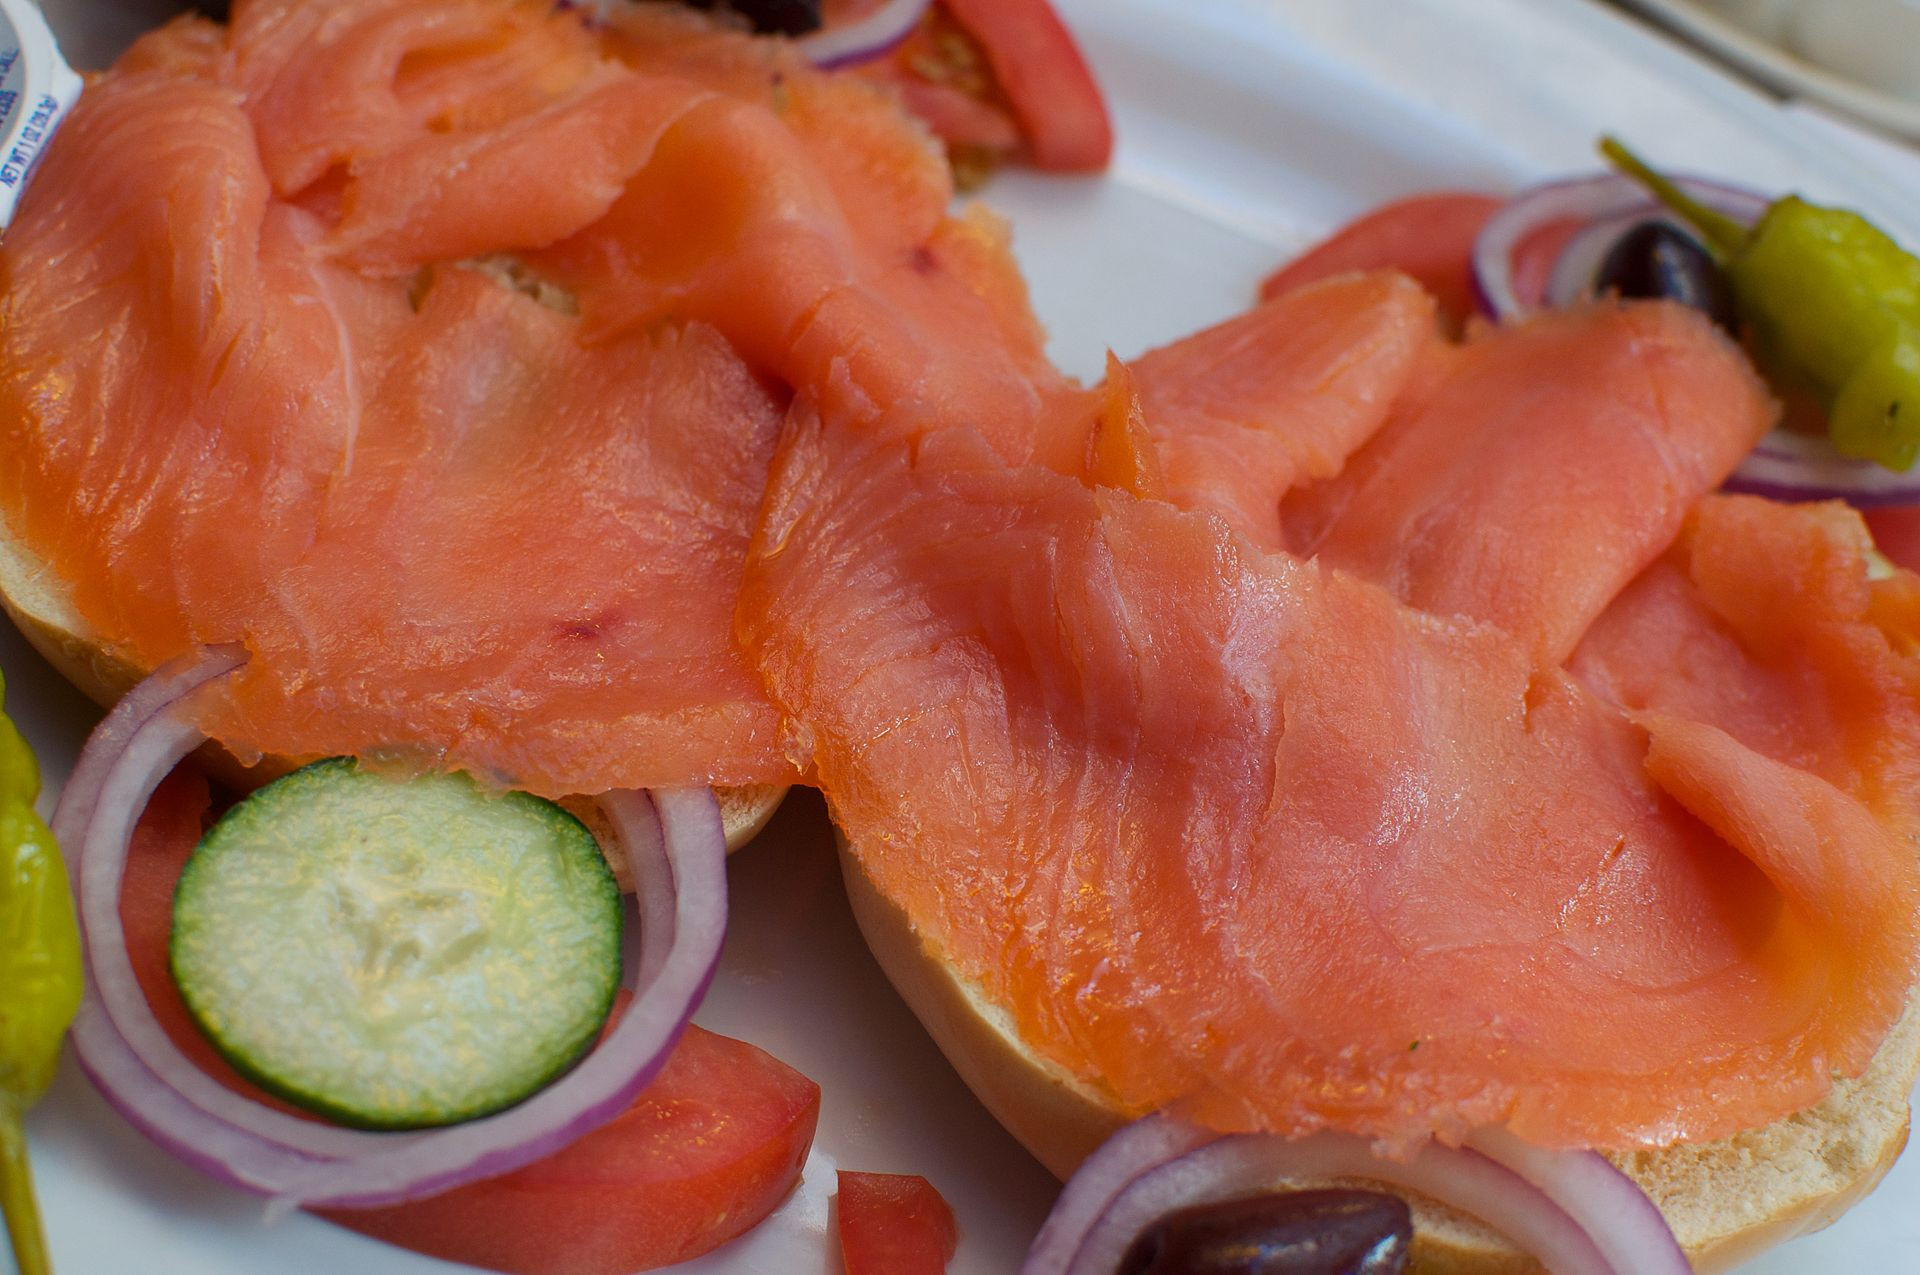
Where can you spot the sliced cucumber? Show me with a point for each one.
(397, 953)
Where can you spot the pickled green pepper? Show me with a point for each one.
(1832, 303)
(39, 981)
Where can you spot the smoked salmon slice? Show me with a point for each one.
(1093, 743)
(723, 226)
(624, 406)
(482, 322)
(1537, 468)
(1250, 408)
(473, 538)
(1765, 621)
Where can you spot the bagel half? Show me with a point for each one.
(1727, 1201)
(34, 597)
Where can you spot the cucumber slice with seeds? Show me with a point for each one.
(395, 954)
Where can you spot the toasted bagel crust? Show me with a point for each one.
(36, 600)
(1727, 1201)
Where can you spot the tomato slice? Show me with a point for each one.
(709, 1149)
(1427, 236)
(1040, 69)
(894, 1224)
(958, 117)
(1896, 533)
(162, 841)
(706, 1152)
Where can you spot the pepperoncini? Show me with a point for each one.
(1831, 302)
(39, 981)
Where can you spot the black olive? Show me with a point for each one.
(772, 17)
(1658, 259)
(781, 17)
(1328, 1232)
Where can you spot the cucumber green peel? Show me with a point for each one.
(397, 954)
(1833, 304)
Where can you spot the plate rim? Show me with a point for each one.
(1781, 70)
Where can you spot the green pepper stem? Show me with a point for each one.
(16, 1195)
(1726, 235)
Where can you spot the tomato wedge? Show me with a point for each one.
(1896, 533)
(710, 1148)
(894, 1224)
(1040, 69)
(1427, 236)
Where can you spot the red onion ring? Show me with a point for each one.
(1158, 1165)
(878, 33)
(1623, 1223)
(1139, 1147)
(1786, 465)
(680, 857)
(1585, 200)
(1578, 265)
(1794, 467)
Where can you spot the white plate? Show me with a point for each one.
(1247, 128)
(1775, 66)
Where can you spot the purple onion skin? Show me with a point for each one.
(193, 1157)
(874, 36)
(1791, 494)
(1482, 302)
(869, 54)
(1588, 198)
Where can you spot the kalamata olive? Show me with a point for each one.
(772, 17)
(1658, 259)
(1326, 1232)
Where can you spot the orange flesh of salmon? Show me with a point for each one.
(1120, 449)
(1249, 409)
(482, 322)
(1092, 739)
(1094, 743)
(1542, 470)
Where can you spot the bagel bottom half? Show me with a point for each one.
(1727, 1201)
(34, 598)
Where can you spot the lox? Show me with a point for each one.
(1083, 704)
(480, 323)
(1551, 791)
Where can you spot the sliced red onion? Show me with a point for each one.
(108, 740)
(870, 37)
(1787, 465)
(1140, 1147)
(1610, 1207)
(1579, 262)
(1793, 466)
(133, 748)
(637, 821)
(681, 855)
(1584, 201)
(1151, 1169)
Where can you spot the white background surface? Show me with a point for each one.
(1246, 129)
